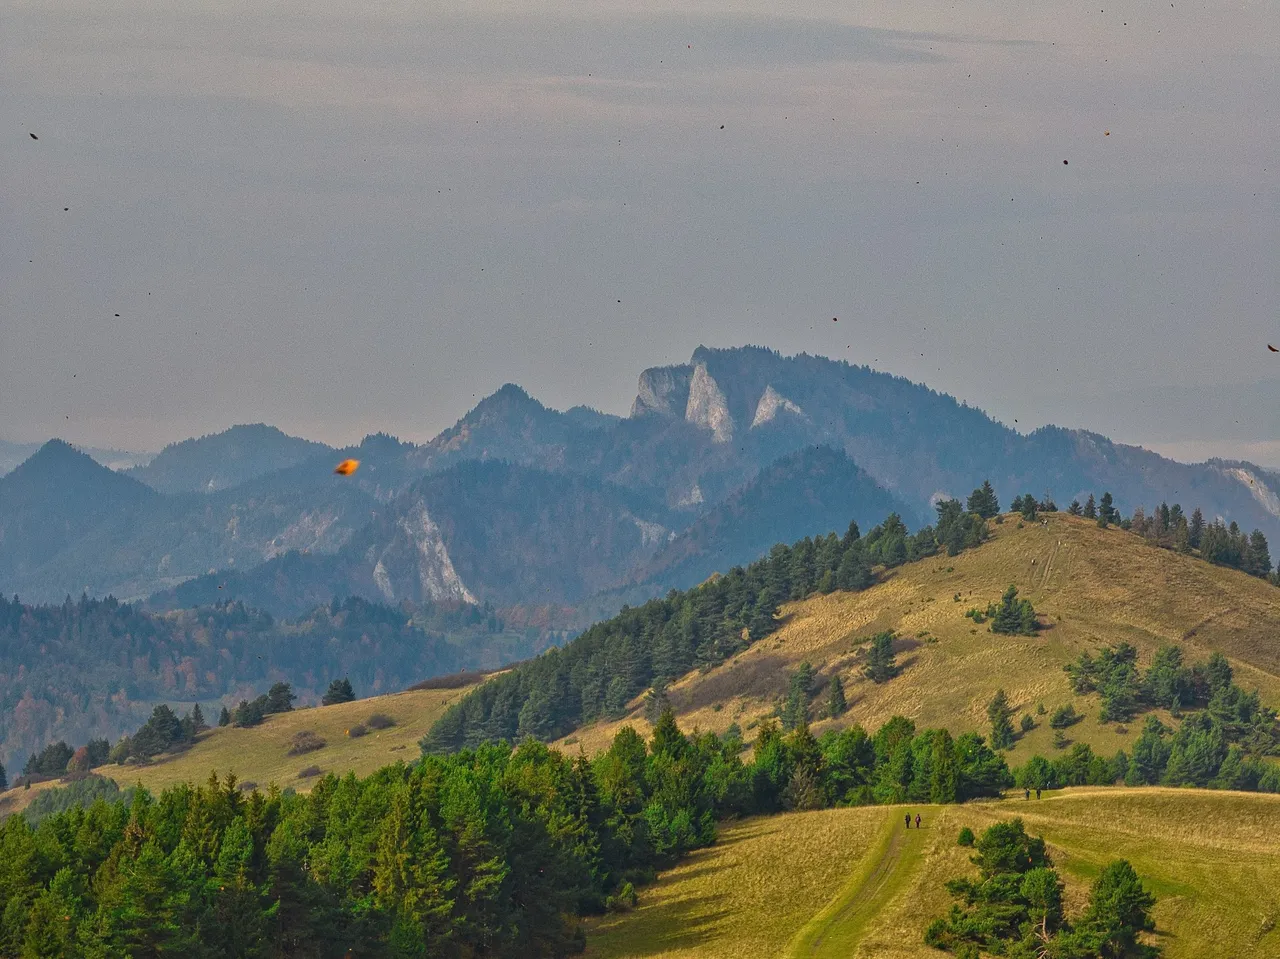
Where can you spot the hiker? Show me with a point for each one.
(1037, 792)
(908, 820)
(1028, 793)
(917, 820)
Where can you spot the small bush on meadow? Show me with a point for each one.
(306, 742)
(379, 721)
(309, 772)
(358, 730)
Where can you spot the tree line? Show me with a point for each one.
(96, 667)
(1224, 744)
(494, 851)
(1016, 907)
(597, 674)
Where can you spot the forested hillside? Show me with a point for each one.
(94, 668)
(598, 674)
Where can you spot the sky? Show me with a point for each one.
(341, 218)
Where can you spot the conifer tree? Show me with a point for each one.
(655, 701)
(1195, 529)
(197, 719)
(1090, 508)
(999, 715)
(983, 502)
(4, 782)
(1075, 508)
(339, 691)
(796, 710)
(224, 717)
(836, 704)
(881, 666)
(1107, 514)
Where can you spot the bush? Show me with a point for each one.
(247, 786)
(379, 721)
(358, 730)
(1060, 741)
(306, 742)
(965, 838)
(310, 772)
(1027, 723)
(1064, 716)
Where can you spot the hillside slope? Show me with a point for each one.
(223, 460)
(1090, 586)
(857, 885)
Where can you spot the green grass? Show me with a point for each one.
(1091, 587)
(784, 885)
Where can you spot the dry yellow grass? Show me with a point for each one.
(747, 896)
(1211, 858)
(260, 754)
(1091, 587)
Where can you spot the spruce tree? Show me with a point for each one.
(999, 715)
(1107, 514)
(4, 782)
(655, 701)
(1075, 509)
(983, 502)
(339, 691)
(1195, 529)
(224, 717)
(836, 703)
(881, 666)
(1090, 508)
(796, 710)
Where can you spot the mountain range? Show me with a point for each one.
(520, 505)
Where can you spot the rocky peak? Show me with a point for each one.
(771, 404)
(707, 406)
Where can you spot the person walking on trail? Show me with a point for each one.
(917, 820)
(908, 820)
(1028, 793)
(1037, 792)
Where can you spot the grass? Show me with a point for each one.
(260, 754)
(772, 885)
(1090, 586)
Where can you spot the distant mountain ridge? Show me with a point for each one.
(223, 460)
(519, 504)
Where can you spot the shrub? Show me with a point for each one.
(1027, 723)
(1064, 716)
(379, 721)
(1060, 740)
(358, 730)
(965, 838)
(306, 742)
(310, 772)
(247, 786)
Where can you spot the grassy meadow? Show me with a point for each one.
(1090, 586)
(853, 883)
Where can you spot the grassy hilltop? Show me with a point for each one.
(260, 754)
(1090, 587)
(852, 883)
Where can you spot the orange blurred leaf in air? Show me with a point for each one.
(347, 467)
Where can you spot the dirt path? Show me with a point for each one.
(836, 930)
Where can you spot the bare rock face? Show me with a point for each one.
(663, 391)
(771, 404)
(707, 405)
(415, 565)
(1253, 481)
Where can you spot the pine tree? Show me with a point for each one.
(280, 698)
(1075, 508)
(881, 666)
(1195, 529)
(1107, 514)
(1014, 617)
(999, 715)
(1257, 560)
(339, 691)
(655, 701)
(1119, 908)
(983, 502)
(836, 704)
(796, 710)
(4, 781)
(224, 717)
(197, 719)
(1090, 508)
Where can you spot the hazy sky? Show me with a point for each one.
(340, 217)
